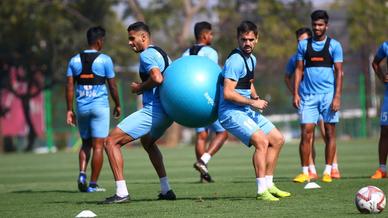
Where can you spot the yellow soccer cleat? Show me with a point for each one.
(266, 196)
(326, 178)
(301, 178)
(278, 193)
(379, 174)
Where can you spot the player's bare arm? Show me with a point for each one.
(114, 93)
(298, 78)
(154, 80)
(70, 115)
(338, 73)
(379, 72)
(231, 95)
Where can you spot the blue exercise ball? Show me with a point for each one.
(189, 92)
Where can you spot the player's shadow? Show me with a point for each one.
(29, 191)
(139, 200)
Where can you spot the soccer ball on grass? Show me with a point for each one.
(370, 199)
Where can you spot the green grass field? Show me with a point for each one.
(44, 185)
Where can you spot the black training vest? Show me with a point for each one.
(195, 49)
(318, 58)
(144, 75)
(87, 76)
(244, 82)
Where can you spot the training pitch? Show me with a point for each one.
(44, 185)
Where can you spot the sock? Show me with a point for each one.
(121, 188)
(305, 170)
(383, 167)
(261, 185)
(334, 166)
(312, 169)
(164, 185)
(92, 184)
(206, 157)
(269, 181)
(82, 173)
(327, 169)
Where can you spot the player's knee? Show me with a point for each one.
(202, 136)
(109, 143)
(224, 135)
(279, 140)
(259, 141)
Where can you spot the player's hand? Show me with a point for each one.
(336, 104)
(386, 78)
(296, 101)
(136, 88)
(117, 112)
(70, 118)
(258, 104)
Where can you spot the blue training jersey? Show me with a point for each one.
(205, 51)
(291, 65)
(235, 69)
(150, 58)
(319, 80)
(382, 53)
(91, 95)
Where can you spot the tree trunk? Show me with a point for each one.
(27, 116)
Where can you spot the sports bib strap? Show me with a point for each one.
(244, 82)
(318, 58)
(87, 76)
(195, 49)
(144, 75)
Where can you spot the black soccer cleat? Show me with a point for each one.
(82, 183)
(202, 168)
(115, 199)
(170, 195)
(206, 178)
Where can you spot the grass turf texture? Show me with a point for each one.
(44, 185)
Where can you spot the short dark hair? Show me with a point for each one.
(200, 27)
(95, 33)
(302, 31)
(247, 26)
(139, 26)
(320, 14)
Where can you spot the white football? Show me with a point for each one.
(370, 199)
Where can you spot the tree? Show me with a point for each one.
(367, 22)
(40, 37)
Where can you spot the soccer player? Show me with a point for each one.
(88, 71)
(239, 112)
(317, 90)
(382, 53)
(204, 36)
(148, 123)
(302, 34)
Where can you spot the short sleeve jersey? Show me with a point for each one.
(91, 95)
(319, 80)
(291, 65)
(382, 53)
(150, 58)
(235, 69)
(205, 51)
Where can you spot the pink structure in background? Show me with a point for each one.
(14, 123)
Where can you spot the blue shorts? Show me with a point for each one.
(243, 123)
(215, 127)
(314, 107)
(93, 122)
(150, 119)
(384, 111)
